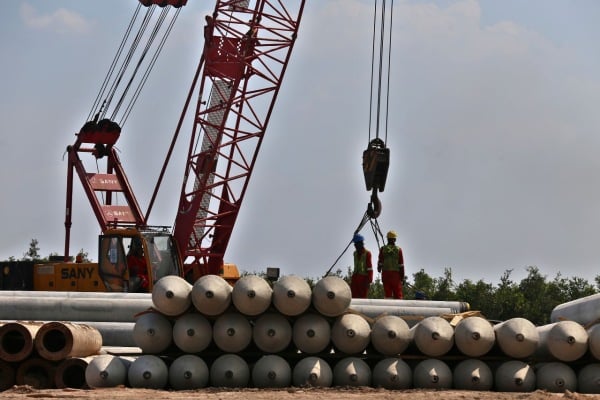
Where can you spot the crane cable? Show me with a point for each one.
(115, 75)
(374, 207)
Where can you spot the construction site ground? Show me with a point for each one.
(360, 393)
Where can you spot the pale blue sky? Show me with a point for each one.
(494, 133)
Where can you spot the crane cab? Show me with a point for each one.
(130, 260)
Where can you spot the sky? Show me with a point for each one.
(493, 131)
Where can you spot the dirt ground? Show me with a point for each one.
(366, 393)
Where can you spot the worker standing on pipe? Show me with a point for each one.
(391, 265)
(362, 275)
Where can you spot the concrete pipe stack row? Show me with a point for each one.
(255, 335)
(46, 355)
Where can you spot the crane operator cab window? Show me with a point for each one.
(135, 263)
(113, 264)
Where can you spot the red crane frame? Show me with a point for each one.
(245, 56)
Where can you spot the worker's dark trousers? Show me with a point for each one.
(359, 286)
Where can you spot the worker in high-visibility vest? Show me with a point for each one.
(391, 265)
(362, 276)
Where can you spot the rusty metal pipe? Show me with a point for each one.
(59, 340)
(16, 340)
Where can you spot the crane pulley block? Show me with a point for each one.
(105, 132)
(376, 162)
(164, 3)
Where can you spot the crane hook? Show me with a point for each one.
(374, 207)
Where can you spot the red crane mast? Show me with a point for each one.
(246, 53)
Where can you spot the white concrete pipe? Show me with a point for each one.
(392, 374)
(584, 310)
(188, 372)
(455, 307)
(172, 295)
(230, 371)
(473, 374)
(148, 372)
(350, 334)
(107, 370)
(563, 340)
(331, 296)
(271, 371)
(192, 333)
(514, 376)
(374, 311)
(312, 371)
(474, 336)
(517, 337)
(351, 371)
(432, 374)
(555, 377)
(153, 333)
(272, 332)
(291, 295)
(433, 336)
(232, 332)
(311, 333)
(390, 335)
(56, 308)
(251, 295)
(211, 295)
(588, 378)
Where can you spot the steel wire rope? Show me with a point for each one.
(111, 69)
(140, 61)
(124, 65)
(389, 55)
(146, 74)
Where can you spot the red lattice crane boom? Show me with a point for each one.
(246, 53)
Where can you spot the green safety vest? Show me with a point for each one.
(360, 263)
(390, 257)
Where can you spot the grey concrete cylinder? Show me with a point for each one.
(192, 333)
(517, 337)
(232, 332)
(148, 372)
(291, 295)
(229, 370)
(311, 333)
(331, 296)
(272, 332)
(433, 336)
(152, 333)
(583, 310)
(271, 371)
(514, 376)
(350, 334)
(392, 374)
(454, 307)
(474, 336)
(473, 374)
(432, 374)
(251, 295)
(351, 371)
(564, 340)
(390, 335)
(312, 371)
(106, 371)
(556, 377)
(172, 295)
(188, 372)
(594, 341)
(588, 378)
(211, 295)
